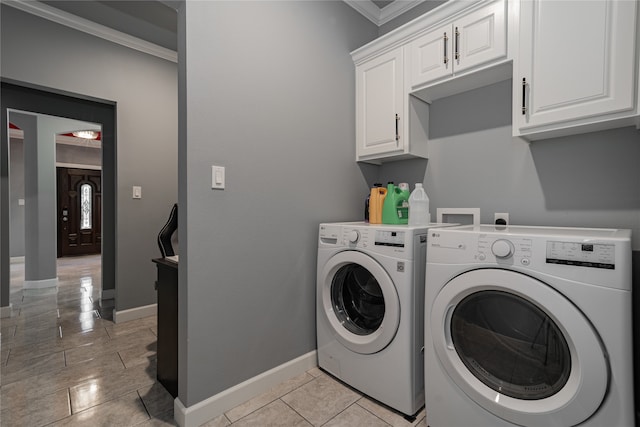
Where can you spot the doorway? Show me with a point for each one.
(27, 97)
(79, 211)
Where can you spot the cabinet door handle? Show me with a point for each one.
(397, 133)
(524, 96)
(457, 44)
(446, 39)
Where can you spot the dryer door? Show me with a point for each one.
(360, 302)
(518, 348)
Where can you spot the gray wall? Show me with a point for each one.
(145, 88)
(588, 180)
(269, 90)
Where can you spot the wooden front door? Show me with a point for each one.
(79, 211)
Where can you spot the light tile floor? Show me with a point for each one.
(65, 363)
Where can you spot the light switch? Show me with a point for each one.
(20, 202)
(137, 192)
(217, 177)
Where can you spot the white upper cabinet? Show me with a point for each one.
(575, 67)
(469, 41)
(379, 105)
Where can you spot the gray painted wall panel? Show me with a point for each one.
(145, 89)
(270, 95)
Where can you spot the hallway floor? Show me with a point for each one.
(64, 362)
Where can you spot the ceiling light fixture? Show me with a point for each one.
(86, 134)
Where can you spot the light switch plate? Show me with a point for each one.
(137, 192)
(217, 177)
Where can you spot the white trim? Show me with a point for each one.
(135, 313)
(78, 166)
(381, 16)
(40, 284)
(56, 15)
(108, 294)
(6, 311)
(17, 260)
(201, 412)
(397, 8)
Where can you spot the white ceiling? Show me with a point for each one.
(155, 21)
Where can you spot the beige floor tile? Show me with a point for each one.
(33, 350)
(127, 410)
(164, 420)
(394, 418)
(276, 413)
(103, 389)
(36, 411)
(316, 372)
(321, 399)
(51, 382)
(135, 355)
(269, 396)
(18, 369)
(157, 400)
(355, 415)
(220, 421)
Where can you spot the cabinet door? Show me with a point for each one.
(480, 37)
(576, 61)
(431, 56)
(379, 105)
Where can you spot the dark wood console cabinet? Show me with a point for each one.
(167, 358)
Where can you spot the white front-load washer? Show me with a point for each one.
(528, 326)
(370, 296)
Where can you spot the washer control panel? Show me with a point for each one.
(596, 255)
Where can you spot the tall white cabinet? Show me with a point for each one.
(575, 67)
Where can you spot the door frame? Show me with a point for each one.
(39, 99)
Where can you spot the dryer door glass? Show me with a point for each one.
(510, 345)
(357, 299)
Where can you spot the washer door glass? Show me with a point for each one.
(518, 348)
(510, 345)
(359, 301)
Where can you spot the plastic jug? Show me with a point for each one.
(395, 208)
(376, 200)
(418, 207)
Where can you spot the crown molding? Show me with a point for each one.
(381, 16)
(72, 21)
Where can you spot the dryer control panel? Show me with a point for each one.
(596, 255)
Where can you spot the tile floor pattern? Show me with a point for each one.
(65, 363)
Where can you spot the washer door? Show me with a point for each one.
(519, 349)
(360, 302)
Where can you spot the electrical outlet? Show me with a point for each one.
(501, 218)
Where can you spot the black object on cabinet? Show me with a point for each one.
(167, 358)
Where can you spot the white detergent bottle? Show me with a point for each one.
(418, 207)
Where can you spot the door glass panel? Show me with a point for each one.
(85, 207)
(357, 299)
(510, 345)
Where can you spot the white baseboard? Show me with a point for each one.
(17, 260)
(135, 313)
(215, 406)
(6, 311)
(108, 294)
(40, 284)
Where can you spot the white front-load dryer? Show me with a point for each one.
(528, 326)
(370, 296)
